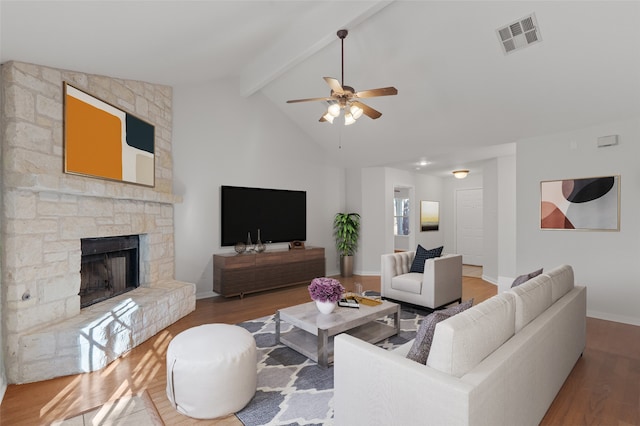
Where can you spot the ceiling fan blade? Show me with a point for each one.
(367, 110)
(334, 84)
(383, 91)
(292, 101)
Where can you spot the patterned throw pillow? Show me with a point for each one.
(422, 255)
(456, 309)
(526, 277)
(419, 351)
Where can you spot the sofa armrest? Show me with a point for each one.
(374, 386)
(443, 278)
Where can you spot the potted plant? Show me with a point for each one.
(346, 227)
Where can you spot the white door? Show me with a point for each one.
(469, 231)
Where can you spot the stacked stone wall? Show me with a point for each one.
(45, 212)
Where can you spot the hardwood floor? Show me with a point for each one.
(602, 389)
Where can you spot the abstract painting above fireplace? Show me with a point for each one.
(104, 141)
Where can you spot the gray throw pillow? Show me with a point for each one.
(419, 351)
(526, 277)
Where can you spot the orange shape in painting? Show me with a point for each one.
(93, 141)
(553, 218)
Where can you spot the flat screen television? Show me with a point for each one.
(279, 214)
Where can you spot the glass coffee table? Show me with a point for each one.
(312, 333)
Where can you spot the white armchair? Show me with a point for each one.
(438, 286)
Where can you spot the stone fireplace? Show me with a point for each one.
(47, 216)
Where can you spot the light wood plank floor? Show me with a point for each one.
(602, 389)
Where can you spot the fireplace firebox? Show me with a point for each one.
(109, 267)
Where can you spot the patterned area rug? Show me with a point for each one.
(292, 389)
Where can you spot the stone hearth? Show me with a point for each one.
(47, 212)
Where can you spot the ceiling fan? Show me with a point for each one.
(346, 98)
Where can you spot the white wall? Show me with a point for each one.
(603, 261)
(430, 188)
(377, 212)
(506, 188)
(490, 225)
(353, 204)
(221, 138)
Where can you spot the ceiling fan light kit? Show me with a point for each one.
(348, 119)
(345, 98)
(356, 111)
(334, 109)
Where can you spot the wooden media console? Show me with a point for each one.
(238, 274)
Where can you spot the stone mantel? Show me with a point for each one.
(123, 194)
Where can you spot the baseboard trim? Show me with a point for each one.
(612, 317)
(3, 390)
(206, 295)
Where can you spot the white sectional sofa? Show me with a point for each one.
(501, 362)
(439, 285)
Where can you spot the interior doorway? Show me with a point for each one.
(402, 214)
(469, 226)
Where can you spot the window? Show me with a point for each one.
(400, 216)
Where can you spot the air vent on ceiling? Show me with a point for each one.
(519, 34)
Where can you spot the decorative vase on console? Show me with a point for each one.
(250, 245)
(326, 292)
(259, 246)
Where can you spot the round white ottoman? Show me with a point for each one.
(211, 370)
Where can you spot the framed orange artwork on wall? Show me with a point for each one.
(103, 141)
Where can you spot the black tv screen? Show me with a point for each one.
(280, 215)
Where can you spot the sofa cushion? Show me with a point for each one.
(422, 343)
(526, 277)
(532, 298)
(411, 283)
(422, 255)
(562, 281)
(462, 341)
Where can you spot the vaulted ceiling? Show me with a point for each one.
(460, 99)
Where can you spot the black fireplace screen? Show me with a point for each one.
(109, 267)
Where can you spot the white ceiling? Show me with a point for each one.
(460, 99)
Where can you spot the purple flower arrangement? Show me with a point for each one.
(325, 289)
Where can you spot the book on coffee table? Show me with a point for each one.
(348, 303)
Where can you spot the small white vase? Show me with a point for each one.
(325, 307)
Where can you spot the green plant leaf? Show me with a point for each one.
(346, 230)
